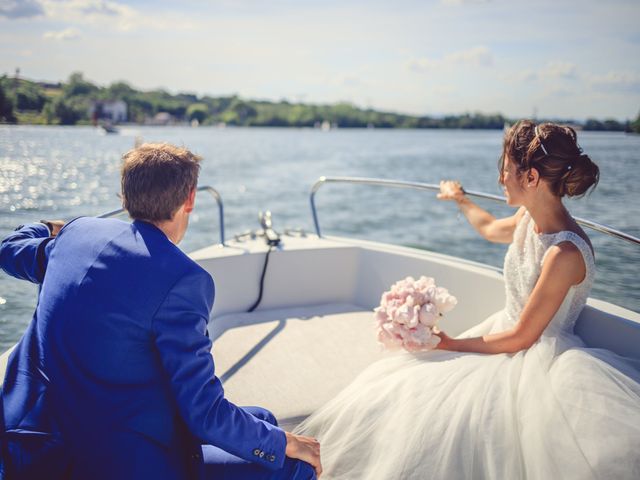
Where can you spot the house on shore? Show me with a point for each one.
(112, 111)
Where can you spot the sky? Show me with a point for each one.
(544, 58)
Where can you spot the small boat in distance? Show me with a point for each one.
(109, 128)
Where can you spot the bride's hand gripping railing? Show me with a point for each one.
(205, 188)
(436, 188)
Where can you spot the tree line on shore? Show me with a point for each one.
(70, 103)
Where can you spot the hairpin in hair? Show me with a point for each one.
(535, 130)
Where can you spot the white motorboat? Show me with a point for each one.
(312, 329)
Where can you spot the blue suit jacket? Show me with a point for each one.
(114, 377)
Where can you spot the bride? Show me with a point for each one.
(519, 395)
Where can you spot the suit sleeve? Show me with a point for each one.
(24, 254)
(179, 327)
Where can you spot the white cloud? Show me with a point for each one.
(422, 65)
(553, 71)
(73, 8)
(111, 14)
(99, 7)
(477, 57)
(13, 9)
(66, 34)
(561, 70)
(617, 81)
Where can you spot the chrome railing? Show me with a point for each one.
(436, 188)
(205, 188)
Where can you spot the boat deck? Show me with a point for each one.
(292, 360)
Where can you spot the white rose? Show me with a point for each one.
(444, 300)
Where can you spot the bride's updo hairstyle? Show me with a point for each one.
(554, 152)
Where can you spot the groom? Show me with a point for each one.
(114, 378)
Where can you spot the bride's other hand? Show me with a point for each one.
(499, 230)
(451, 190)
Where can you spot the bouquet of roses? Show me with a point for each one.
(409, 312)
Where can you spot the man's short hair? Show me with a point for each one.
(157, 179)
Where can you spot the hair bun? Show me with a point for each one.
(554, 152)
(581, 175)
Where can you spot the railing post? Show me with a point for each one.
(312, 199)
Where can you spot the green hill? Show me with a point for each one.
(69, 103)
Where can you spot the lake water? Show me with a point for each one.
(64, 172)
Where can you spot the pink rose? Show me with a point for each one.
(410, 301)
(406, 315)
(388, 340)
(428, 314)
(419, 339)
(380, 315)
(423, 283)
(430, 293)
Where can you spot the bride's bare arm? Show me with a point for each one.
(562, 268)
(498, 230)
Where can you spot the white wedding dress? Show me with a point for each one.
(558, 410)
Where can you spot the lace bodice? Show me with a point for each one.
(522, 267)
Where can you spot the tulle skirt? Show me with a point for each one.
(555, 411)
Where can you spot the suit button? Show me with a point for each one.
(256, 452)
(272, 458)
(261, 454)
